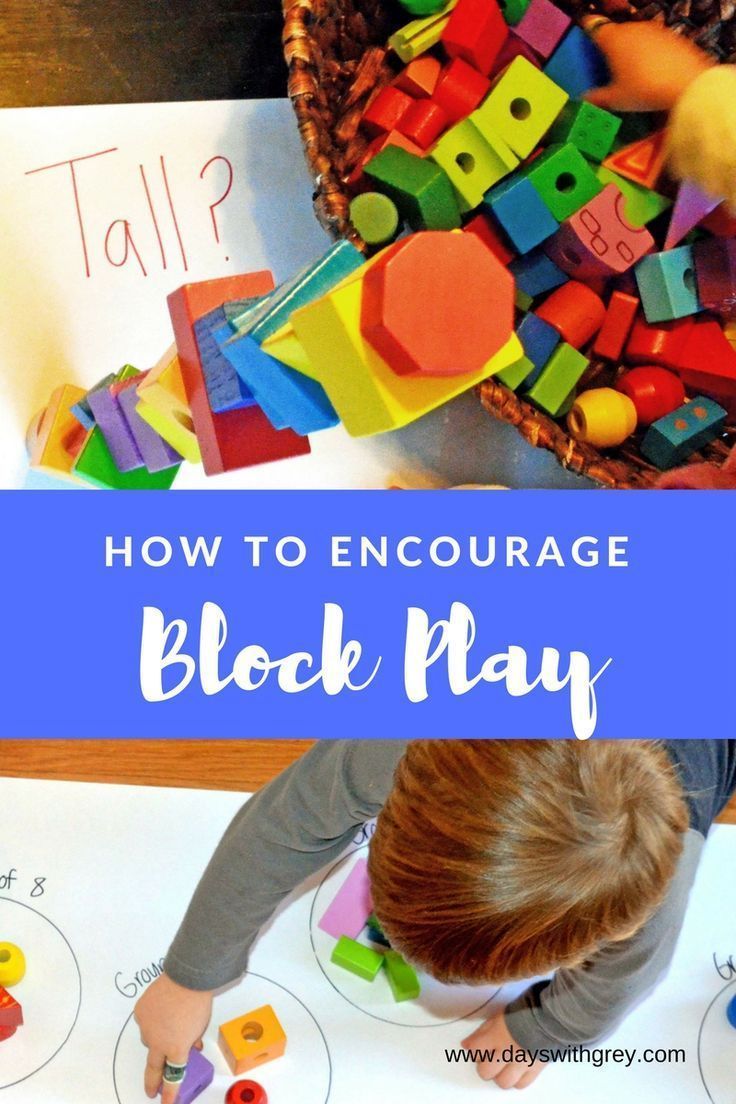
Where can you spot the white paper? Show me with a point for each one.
(91, 250)
(120, 864)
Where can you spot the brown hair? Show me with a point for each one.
(496, 860)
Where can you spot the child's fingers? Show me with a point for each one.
(169, 1092)
(154, 1072)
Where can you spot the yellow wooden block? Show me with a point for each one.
(252, 1039)
(176, 429)
(165, 408)
(366, 393)
(420, 35)
(55, 432)
(283, 345)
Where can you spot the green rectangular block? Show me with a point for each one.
(564, 180)
(514, 374)
(421, 190)
(523, 300)
(472, 165)
(353, 956)
(641, 205)
(401, 977)
(95, 465)
(558, 379)
(590, 129)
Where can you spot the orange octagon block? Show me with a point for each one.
(252, 1039)
(438, 304)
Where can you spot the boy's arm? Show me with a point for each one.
(580, 1005)
(298, 822)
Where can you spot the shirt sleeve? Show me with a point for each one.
(293, 826)
(701, 136)
(581, 1005)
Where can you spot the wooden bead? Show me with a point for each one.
(51, 438)
(375, 217)
(671, 439)
(460, 88)
(654, 392)
(597, 240)
(385, 112)
(357, 958)
(11, 1015)
(602, 417)
(420, 8)
(475, 32)
(706, 362)
(641, 161)
(539, 340)
(620, 315)
(522, 106)
(575, 311)
(731, 1011)
(535, 273)
(12, 965)
(252, 1039)
(424, 122)
(246, 1092)
(641, 205)
(415, 38)
(420, 77)
(521, 212)
(402, 977)
(512, 48)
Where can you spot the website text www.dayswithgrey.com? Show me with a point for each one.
(574, 1055)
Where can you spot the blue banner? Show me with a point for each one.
(333, 614)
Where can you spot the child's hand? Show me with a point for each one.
(650, 65)
(172, 1020)
(494, 1036)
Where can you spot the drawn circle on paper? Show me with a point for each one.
(716, 1047)
(437, 1004)
(306, 1049)
(50, 994)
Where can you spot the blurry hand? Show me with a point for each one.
(494, 1036)
(172, 1020)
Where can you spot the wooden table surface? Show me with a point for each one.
(202, 764)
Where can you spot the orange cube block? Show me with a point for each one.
(55, 436)
(252, 1039)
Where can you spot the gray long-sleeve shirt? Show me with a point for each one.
(309, 813)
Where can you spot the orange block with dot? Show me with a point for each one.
(252, 1039)
(438, 304)
(575, 311)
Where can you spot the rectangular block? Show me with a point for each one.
(674, 438)
(112, 423)
(667, 284)
(597, 241)
(225, 389)
(421, 190)
(515, 374)
(358, 959)
(156, 452)
(82, 410)
(96, 465)
(590, 129)
(472, 165)
(612, 336)
(523, 215)
(536, 274)
(54, 445)
(564, 180)
(542, 26)
(558, 380)
(252, 1039)
(351, 906)
(539, 340)
(401, 977)
(475, 32)
(164, 406)
(522, 106)
(577, 65)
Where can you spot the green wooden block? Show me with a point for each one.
(422, 8)
(420, 35)
(514, 374)
(401, 977)
(559, 377)
(471, 163)
(641, 205)
(353, 956)
(95, 465)
(523, 300)
(513, 10)
(420, 189)
(521, 107)
(591, 129)
(564, 180)
(375, 216)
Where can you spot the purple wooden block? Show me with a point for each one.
(691, 207)
(542, 26)
(157, 454)
(715, 274)
(111, 422)
(512, 48)
(351, 906)
(200, 1073)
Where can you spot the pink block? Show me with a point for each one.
(597, 240)
(542, 26)
(691, 207)
(351, 906)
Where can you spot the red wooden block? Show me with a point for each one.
(357, 181)
(575, 311)
(656, 344)
(235, 438)
(460, 89)
(482, 225)
(420, 76)
(424, 122)
(654, 392)
(475, 32)
(385, 111)
(616, 327)
(440, 305)
(11, 1015)
(512, 48)
(246, 1092)
(720, 222)
(641, 161)
(706, 363)
(598, 240)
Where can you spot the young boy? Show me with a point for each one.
(492, 860)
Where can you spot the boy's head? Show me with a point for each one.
(496, 860)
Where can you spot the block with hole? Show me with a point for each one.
(111, 422)
(12, 965)
(472, 164)
(589, 128)
(597, 241)
(402, 978)
(602, 417)
(715, 275)
(521, 107)
(577, 64)
(675, 437)
(667, 284)
(421, 190)
(475, 32)
(519, 209)
(620, 314)
(654, 392)
(542, 26)
(358, 959)
(460, 89)
(199, 1076)
(11, 1014)
(351, 906)
(641, 205)
(55, 436)
(164, 406)
(575, 311)
(564, 180)
(157, 454)
(552, 390)
(415, 38)
(252, 1039)
(375, 216)
(424, 122)
(419, 78)
(535, 273)
(539, 340)
(246, 1092)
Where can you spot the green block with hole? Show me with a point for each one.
(641, 205)
(564, 180)
(472, 164)
(401, 977)
(421, 190)
(513, 375)
(355, 957)
(591, 129)
(551, 392)
(521, 107)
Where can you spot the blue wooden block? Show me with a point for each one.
(82, 411)
(287, 398)
(225, 389)
(536, 274)
(671, 439)
(667, 284)
(522, 213)
(539, 341)
(577, 64)
(731, 1012)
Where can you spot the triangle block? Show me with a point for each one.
(691, 207)
(641, 161)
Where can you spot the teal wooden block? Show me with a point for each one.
(667, 284)
(590, 129)
(421, 190)
(514, 375)
(671, 439)
(358, 959)
(564, 180)
(552, 390)
(472, 165)
(401, 977)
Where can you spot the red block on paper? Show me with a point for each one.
(235, 438)
(475, 32)
(11, 1015)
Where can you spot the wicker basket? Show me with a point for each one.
(337, 59)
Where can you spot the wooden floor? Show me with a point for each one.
(202, 764)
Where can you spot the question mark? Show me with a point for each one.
(223, 197)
